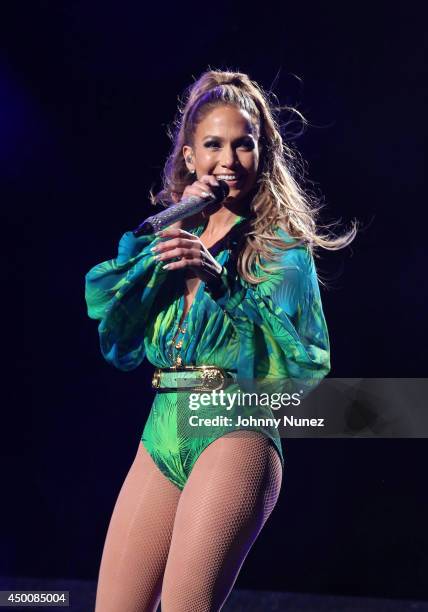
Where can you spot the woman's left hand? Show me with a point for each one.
(193, 254)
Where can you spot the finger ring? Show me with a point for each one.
(205, 194)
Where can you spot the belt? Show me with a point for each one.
(187, 378)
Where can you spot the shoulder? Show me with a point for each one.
(291, 253)
(290, 280)
(293, 264)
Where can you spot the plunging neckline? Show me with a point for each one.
(181, 304)
(199, 231)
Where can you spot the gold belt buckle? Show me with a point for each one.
(212, 378)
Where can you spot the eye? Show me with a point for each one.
(247, 144)
(212, 144)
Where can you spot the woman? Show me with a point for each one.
(235, 290)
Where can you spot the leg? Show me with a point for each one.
(138, 540)
(230, 493)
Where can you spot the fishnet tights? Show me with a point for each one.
(186, 548)
(138, 539)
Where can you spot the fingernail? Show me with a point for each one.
(159, 233)
(165, 267)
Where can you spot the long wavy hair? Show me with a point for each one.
(280, 199)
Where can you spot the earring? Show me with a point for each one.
(189, 160)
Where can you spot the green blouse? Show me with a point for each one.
(274, 329)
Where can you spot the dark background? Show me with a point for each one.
(86, 93)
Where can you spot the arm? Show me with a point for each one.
(120, 293)
(281, 324)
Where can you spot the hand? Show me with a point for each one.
(199, 188)
(193, 254)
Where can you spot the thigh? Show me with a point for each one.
(138, 539)
(228, 497)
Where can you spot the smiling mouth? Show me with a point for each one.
(228, 178)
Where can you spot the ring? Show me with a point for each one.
(205, 194)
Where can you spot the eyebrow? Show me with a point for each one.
(249, 135)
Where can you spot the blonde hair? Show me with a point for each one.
(279, 200)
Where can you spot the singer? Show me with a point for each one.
(229, 293)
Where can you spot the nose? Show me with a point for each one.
(228, 157)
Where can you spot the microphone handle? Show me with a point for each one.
(186, 208)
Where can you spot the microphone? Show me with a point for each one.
(185, 208)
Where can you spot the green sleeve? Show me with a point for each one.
(120, 294)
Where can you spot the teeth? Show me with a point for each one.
(227, 177)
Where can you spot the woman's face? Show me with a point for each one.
(225, 144)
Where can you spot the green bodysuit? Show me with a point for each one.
(275, 329)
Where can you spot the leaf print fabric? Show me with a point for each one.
(273, 330)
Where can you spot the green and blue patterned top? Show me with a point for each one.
(275, 329)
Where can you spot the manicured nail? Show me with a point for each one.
(159, 233)
(165, 267)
